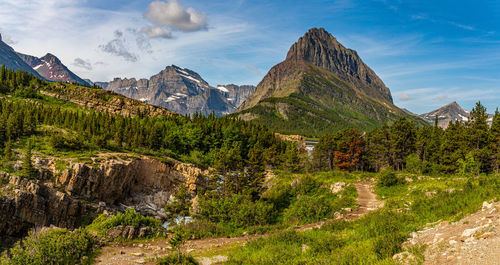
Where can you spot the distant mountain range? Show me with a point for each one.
(321, 87)
(448, 113)
(50, 67)
(183, 91)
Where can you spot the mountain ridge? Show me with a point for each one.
(181, 90)
(51, 68)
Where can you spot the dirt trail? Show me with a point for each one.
(140, 253)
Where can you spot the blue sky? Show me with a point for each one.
(429, 53)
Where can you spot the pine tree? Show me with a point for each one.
(478, 134)
(28, 171)
(495, 141)
(8, 151)
(403, 139)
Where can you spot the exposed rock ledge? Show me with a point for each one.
(143, 183)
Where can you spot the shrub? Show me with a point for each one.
(413, 164)
(103, 223)
(61, 142)
(55, 246)
(389, 178)
(237, 209)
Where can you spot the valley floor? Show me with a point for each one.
(144, 252)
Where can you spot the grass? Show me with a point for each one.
(376, 237)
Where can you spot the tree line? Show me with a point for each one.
(472, 147)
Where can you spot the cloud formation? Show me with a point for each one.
(173, 15)
(79, 62)
(117, 47)
(157, 32)
(404, 97)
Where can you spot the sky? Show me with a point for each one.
(429, 53)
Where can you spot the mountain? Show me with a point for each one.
(50, 67)
(181, 90)
(321, 87)
(451, 112)
(236, 94)
(11, 60)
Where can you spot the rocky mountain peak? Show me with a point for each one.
(446, 114)
(51, 68)
(321, 49)
(0, 36)
(49, 57)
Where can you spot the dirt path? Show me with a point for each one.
(141, 253)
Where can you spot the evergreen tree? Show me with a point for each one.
(495, 141)
(454, 146)
(8, 151)
(403, 139)
(478, 135)
(28, 171)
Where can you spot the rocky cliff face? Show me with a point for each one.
(180, 90)
(63, 197)
(25, 204)
(235, 94)
(143, 183)
(50, 67)
(11, 60)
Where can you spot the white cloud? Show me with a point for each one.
(157, 32)
(404, 97)
(172, 14)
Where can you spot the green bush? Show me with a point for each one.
(61, 142)
(314, 208)
(103, 223)
(414, 164)
(238, 210)
(55, 246)
(389, 178)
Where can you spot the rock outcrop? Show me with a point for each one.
(142, 183)
(64, 197)
(25, 204)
